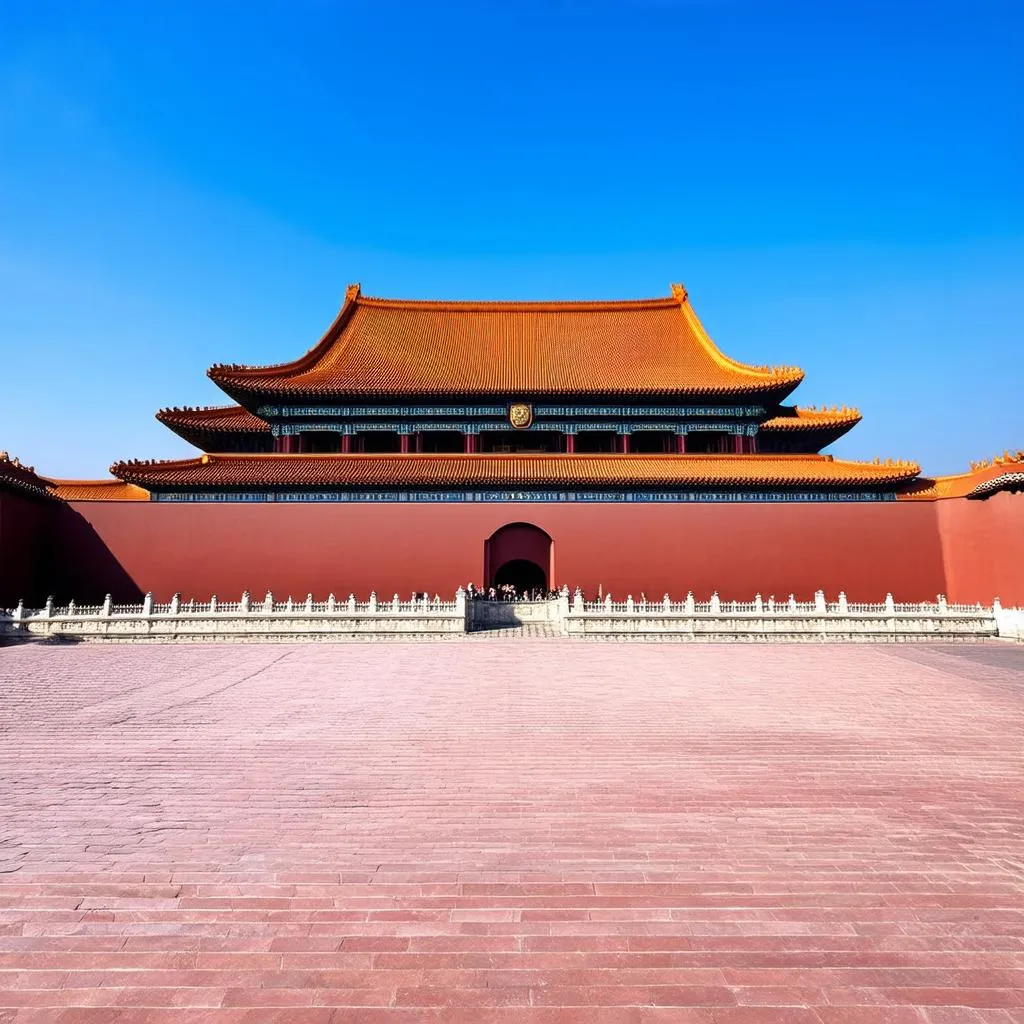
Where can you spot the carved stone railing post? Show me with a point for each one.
(289, 605)
(351, 604)
(395, 604)
(19, 612)
(213, 604)
(607, 602)
(691, 604)
(309, 604)
(758, 604)
(771, 604)
(268, 602)
(331, 603)
(630, 607)
(890, 605)
(373, 602)
(716, 604)
(563, 604)
(819, 602)
(71, 607)
(48, 610)
(844, 605)
(105, 609)
(245, 603)
(460, 601)
(176, 604)
(792, 602)
(666, 604)
(944, 606)
(147, 604)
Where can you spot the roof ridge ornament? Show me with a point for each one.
(679, 292)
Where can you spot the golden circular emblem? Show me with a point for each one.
(520, 415)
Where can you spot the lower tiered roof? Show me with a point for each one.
(140, 480)
(97, 490)
(445, 471)
(1003, 473)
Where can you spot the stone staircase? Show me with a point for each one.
(515, 618)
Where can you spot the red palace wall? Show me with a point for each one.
(866, 549)
(983, 548)
(24, 531)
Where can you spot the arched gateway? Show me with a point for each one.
(521, 554)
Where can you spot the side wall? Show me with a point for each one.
(983, 548)
(126, 548)
(24, 531)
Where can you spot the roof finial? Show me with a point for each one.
(679, 292)
(352, 292)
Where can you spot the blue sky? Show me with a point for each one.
(837, 183)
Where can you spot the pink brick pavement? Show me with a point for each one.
(534, 831)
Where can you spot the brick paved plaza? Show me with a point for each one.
(504, 831)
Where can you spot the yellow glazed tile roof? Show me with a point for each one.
(98, 490)
(802, 418)
(983, 478)
(208, 418)
(509, 349)
(443, 471)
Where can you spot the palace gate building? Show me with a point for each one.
(423, 445)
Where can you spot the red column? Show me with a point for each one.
(419, 443)
(624, 441)
(738, 443)
(346, 444)
(570, 443)
(681, 444)
(404, 441)
(470, 443)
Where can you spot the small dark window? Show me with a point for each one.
(710, 442)
(319, 442)
(596, 441)
(652, 442)
(377, 442)
(442, 441)
(522, 441)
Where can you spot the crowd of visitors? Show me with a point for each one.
(509, 592)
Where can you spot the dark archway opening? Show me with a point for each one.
(523, 574)
(521, 554)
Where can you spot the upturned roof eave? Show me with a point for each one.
(200, 424)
